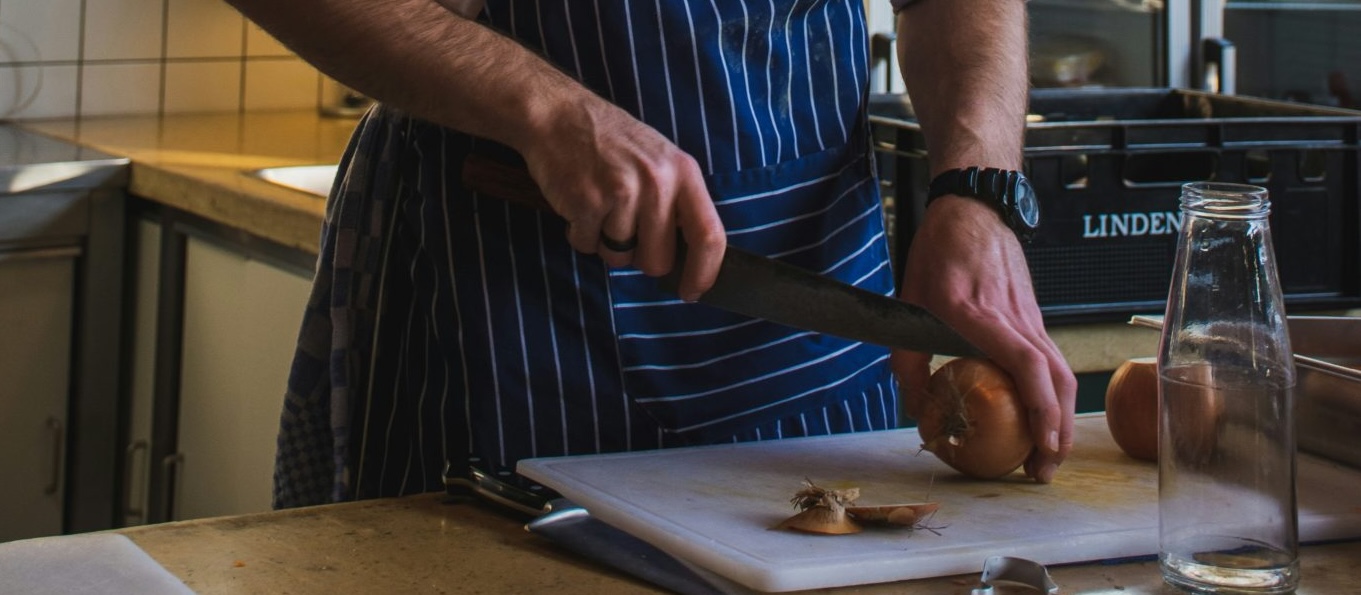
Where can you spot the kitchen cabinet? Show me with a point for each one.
(61, 253)
(215, 319)
(241, 319)
(37, 288)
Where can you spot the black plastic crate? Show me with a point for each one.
(1108, 166)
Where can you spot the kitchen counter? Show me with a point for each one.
(427, 544)
(199, 163)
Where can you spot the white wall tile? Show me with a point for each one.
(203, 29)
(16, 45)
(123, 29)
(29, 92)
(280, 84)
(45, 30)
(211, 58)
(202, 87)
(120, 89)
(261, 43)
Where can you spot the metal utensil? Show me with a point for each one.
(1006, 569)
(761, 287)
(487, 487)
(1327, 352)
(573, 528)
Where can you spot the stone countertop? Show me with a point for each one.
(426, 543)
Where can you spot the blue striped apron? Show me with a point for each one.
(451, 328)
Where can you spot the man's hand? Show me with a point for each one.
(616, 180)
(967, 268)
(610, 175)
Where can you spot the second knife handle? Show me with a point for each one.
(485, 175)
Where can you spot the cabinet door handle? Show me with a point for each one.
(172, 465)
(135, 509)
(58, 446)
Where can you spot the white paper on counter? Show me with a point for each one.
(93, 563)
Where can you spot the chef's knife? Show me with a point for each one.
(761, 287)
(573, 528)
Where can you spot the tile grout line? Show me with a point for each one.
(135, 61)
(165, 54)
(80, 66)
(245, 52)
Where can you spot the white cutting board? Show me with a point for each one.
(712, 506)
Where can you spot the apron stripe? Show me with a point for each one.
(666, 70)
(721, 358)
(736, 200)
(743, 382)
(733, 101)
(553, 343)
(827, 386)
(699, 88)
(770, 87)
(694, 333)
(795, 219)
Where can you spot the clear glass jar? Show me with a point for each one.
(1226, 450)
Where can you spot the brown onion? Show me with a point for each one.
(1195, 409)
(1132, 407)
(973, 420)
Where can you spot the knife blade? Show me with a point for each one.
(575, 529)
(762, 287)
(572, 527)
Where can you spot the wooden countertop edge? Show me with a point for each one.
(391, 545)
(234, 198)
(424, 542)
(210, 183)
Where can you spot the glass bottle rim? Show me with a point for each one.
(1225, 200)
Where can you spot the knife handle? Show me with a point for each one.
(489, 176)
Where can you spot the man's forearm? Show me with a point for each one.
(423, 58)
(965, 66)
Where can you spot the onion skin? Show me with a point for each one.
(906, 515)
(973, 420)
(1132, 408)
(821, 520)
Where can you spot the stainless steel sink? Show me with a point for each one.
(312, 179)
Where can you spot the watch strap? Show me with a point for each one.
(962, 182)
(988, 185)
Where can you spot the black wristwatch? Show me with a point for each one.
(1006, 191)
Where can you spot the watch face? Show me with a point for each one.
(1027, 204)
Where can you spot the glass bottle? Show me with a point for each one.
(1226, 449)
